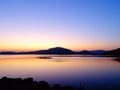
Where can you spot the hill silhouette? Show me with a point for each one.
(86, 52)
(61, 50)
(55, 50)
(115, 52)
(97, 52)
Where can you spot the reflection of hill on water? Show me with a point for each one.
(45, 57)
(117, 59)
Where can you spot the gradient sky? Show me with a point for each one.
(74, 24)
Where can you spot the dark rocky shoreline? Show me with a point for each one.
(29, 84)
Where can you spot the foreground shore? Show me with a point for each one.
(29, 84)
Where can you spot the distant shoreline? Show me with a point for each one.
(65, 51)
(67, 55)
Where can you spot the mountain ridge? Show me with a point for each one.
(61, 50)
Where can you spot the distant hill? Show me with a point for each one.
(115, 52)
(8, 52)
(98, 52)
(86, 52)
(56, 50)
(93, 52)
(61, 50)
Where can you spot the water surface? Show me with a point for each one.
(95, 73)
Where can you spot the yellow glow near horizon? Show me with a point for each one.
(29, 43)
(41, 46)
(42, 24)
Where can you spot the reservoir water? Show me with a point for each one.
(94, 73)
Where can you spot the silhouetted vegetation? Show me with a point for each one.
(115, 52)
(29, 84)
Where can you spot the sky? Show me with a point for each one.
(74, 24)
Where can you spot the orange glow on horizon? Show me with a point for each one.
(35, 47)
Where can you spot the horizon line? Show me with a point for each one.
(53, 47)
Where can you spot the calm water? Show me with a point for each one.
(95, 73)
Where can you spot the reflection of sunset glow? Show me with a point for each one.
(62, 70)
(26, 66)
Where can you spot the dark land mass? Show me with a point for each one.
(29, 84)
(97, 52)
(85, 52)
(4, 53)
(57, 50)
(61, 51)
(115, 52)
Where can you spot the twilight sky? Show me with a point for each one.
(74, 24)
